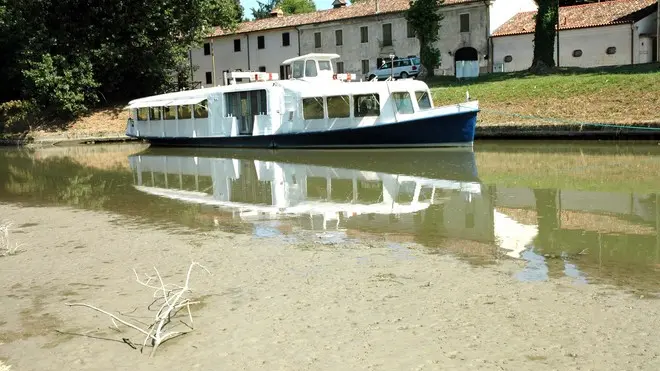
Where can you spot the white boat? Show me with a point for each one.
(316, 108)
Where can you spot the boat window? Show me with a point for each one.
(403, 102)
(154, 113)
(310, 69)
(202, 110)
(185, 112)
(169, 113)
(366, 105)
(313, 108)
(134, 113)
(143, 114)
(339, 106)
(423, 100)
(244, 105)
(324, 66)
(298, 67)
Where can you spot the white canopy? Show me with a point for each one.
(166, 102)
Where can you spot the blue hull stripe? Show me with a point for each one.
(450, 130)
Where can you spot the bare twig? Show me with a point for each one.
(7, 247)
(173, 297)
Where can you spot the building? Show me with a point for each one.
(363, 34)
(616, 32)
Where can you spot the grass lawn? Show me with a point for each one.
(621, 95)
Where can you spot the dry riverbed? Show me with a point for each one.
(273, 305)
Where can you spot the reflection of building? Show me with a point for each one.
(443, 205)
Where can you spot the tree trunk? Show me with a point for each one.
(544, 36)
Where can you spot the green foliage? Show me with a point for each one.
(544, 35)
(17, 115)
(263, 9)
(66, 87)
(424, 17)
(66, 55)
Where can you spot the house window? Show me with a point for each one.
(286, 39)
(313, 108)
(410, 31)
(237, 45)
(317, 39)
(387, 34)
(209, 78)
(207, 49)
(340, 67)
(364, 34)
(611, 50)
(339, 38)
(285, 71)
(577, 53)
(465, 22)
(262, 68)
(365, 66)
(261, 42)
(339, 106)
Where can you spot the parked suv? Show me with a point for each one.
(403, 68)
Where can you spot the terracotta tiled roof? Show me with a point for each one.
(361, 9)
(582, 16)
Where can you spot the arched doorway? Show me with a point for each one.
(466, 61)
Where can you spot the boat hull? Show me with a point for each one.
(455, 130)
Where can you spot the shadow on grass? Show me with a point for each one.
(450, 81)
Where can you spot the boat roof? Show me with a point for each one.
(322, 56)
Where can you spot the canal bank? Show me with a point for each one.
(643, 131)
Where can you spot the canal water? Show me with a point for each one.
(586, 211)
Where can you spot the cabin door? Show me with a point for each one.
(244, 105)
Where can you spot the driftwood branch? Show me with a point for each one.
(174, 300)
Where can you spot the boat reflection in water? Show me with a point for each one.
(424, 196)
(431, 198)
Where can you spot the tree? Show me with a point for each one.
(64, 55)
(424, 17)
(544, 35)
(288, 7)
(297, 6)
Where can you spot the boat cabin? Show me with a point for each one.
(269, 106)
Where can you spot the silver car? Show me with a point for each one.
(403, 68)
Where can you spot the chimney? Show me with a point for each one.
(276, 13)
(338, 4)
(377, 7)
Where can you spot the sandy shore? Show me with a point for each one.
(273, 305)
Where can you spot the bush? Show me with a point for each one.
(64, 87)
(17, 116)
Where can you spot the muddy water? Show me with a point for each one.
(586, 211)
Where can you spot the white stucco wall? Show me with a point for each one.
(592, 41)
(227, 59)
(353, 51)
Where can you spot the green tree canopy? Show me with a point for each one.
(263, 9)
(65, 55)
(424, 17)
